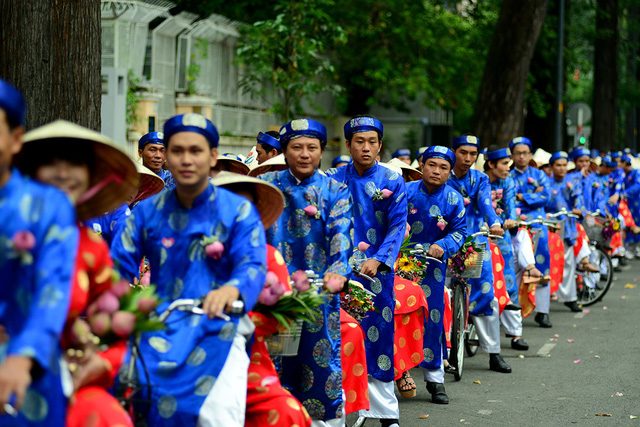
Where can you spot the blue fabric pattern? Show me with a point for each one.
(508, 205)
(108, 224)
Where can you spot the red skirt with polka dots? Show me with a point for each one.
(409, 318)
(556, 251)
(354, 364)
(499, 287)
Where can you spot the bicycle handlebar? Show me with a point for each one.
(485, 232)
(194, 306)
(562, 211)
(421, 252)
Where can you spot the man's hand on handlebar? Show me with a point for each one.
(370, 267)
(496, 230)
(435, 251)
(220, 300)
(509, 224)
(577, 211)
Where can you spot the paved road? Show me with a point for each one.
(557, 382)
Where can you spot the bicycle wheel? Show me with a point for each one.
(594, 286)
(459, 311)
(471, 342)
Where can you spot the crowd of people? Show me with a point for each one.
(83, 224)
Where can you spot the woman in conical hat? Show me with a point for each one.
(267, 400)
(98, 177)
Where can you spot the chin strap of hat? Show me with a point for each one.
(98, 187)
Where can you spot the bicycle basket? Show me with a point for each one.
(285, 343)
(593, 226)
(473, 264)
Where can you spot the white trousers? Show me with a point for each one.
(383, 402)
(523, 253)
(488, 328)
(336, 422)
(585, 251)
(226, 403)
(436, 375)
(543, 299)
(567, 291)
(512, 322)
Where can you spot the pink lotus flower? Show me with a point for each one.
(146, 305)
(499, 192)
(267, 297)
(300, 281)
(91, 310)
(441, 225)
(386, 193)
(271, 278)
(23, 240)
(334, 286)
(499, 211)
(493, 194)
(494, 204)
(123, 323)
(100, 324)
(214, 250)
(108, 303)
(145, 280)
(362, 246)
(121, 288)
(278, 289)
(311, 210)
(466, 201)
(518, 210)
(80, 331)
(530, 180)
(555, 192)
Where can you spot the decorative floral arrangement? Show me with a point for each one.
(312, 211)
(409, 266)
(530, 180)
(381, 194)
(468, 253)
(497, 200)
(610, 227)
(356, 301)
(596, 185)
(23, 242)
(298, 304)
(118, 313)
(213, 247)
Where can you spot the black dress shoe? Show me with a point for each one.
(497, 363)
(573, 306)
(542, 319)
(512, 306)
(438, 395)
(519, 344)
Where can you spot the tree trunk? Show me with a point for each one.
(631, 119)
(605, 76)
(51, 50)
(499, 110)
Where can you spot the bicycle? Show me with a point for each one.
(130, 388)
(592, 286)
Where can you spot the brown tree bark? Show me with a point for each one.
(499, 109)
(605, 76)
(51, 50)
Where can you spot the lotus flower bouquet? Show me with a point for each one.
(298, 304)
(356, 301)
(610, 227)
(118, 313)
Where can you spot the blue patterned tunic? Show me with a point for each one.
(108, 224)
(508, 205)
(424, 209)
(35, 289)
(166, 176)
(600, 188)
(185, 359)
(632, 190)
(533, 206)
(475, 187)
(323, 245)
(380, 223)
(566, 194)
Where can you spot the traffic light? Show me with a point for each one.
(582, 140)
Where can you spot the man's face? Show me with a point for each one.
(559, 169)
(263, 155)
(501, 168)
(303, 156)
(604, 169)
(466, 156)
(364, 148)
(582, 162)
(73, 179)
(153, 156)
(10, 145)
(626, 167)
(521, 155)
(190, 159)
(436, 172)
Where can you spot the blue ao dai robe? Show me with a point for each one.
(424, 209)
(380, 223)
(533, 206)
(35, 290)
(185, 359)
(632, 190)
(323, 245)
(475, 186)
(565, 194)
